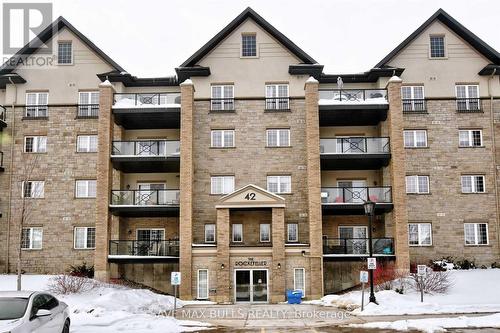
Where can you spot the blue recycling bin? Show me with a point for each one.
(294, 296)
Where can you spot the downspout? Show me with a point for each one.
(322, 272)
(11, 171)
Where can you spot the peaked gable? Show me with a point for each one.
(251, 196)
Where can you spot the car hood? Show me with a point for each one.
(9, 324)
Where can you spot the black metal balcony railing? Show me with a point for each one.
(88, 111)
(277, 103)
(222, 104)
(468, 105)
(414, 105)
(146, 148)
(36, 111)
(135, 100)
(153, 248)
(355, 145)
(2, 113)
(145, 197)
(347, 96)
(355, 195)
(357, 246)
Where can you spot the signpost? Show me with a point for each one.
(175, 280)
(372, 263)
(421, 272)
(363, 278)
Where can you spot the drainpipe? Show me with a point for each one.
(322, 273)
(493, 149)
(11, 170)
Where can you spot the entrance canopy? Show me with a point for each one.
(251, 196)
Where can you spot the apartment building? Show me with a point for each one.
(248, 170)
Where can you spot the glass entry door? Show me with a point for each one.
(251, 285)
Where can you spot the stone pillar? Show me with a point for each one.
(314, 188)
(397, 171)
(104, 181)
(278, 269)
(186, 188)
(223, 273)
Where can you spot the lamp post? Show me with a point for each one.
(370, 211)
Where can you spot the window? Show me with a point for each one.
(31, 238)
(84, 238)
(415, 138)
(265, 232)
(417, 184)
(419, 234)
(88, 104)
(36, 104)
(64, 53)
(473, 184)
(248, 45)
(222, 98)
(237, 233)
(203, 284)
(299, 280)
(222, 184)
(33, 189)
(470, 138)
(150, 235)
(476, 233)
(413, 98)
(278, 137)
(222, 138)
(209, 233)
(292, 232)
(35, 144)
(279, 184)
(437, 47)
(277, 97)
(86, 143)
(468, 98)
(85, 188)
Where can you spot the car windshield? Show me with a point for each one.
(12, 307)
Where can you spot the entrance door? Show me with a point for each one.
(251, 285)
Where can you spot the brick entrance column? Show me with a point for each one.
(104, 181)
(278, 272)
(397, 172)
(223, 274)
(314, 188)
(186, 187)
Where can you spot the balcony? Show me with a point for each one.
(147, 110)
(134, 251)
(468, 105)
(414, 106)
(146, 156)
(355, 153)
(349, 200)
(3, 113)
(144, 203)
(357, 247)
(357, 107)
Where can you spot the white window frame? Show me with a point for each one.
(445, 51)
(85, 236)
(296, 239)
(222, 103)
(256, 45)
(37, 189)
(268, 226)
(224, 189)
(303, 280)
(469, 100)
(206, 230)
(476, 234)
(84, 143)
(417, 177)
(420, 238)
(39, 144)
(413, 102)
(150, 230)
(274, 99)
(90, 108)
(233, 232)
(199, 295)
(277, 132)
(223, 138)
(31, 241)
(71, 53)
(473, 183)
(470, 138)
(281, 185)
(414, 132)
(40, 110)
(87, 193)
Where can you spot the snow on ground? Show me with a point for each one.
(473, 291)
(436, 324)
(112, 308)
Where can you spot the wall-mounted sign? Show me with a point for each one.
(250, 262)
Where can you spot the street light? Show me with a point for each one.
(370, 211)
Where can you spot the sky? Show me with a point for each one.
(149, 38)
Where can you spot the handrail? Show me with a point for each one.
(144, 99)
(148, 248)
(357, 246)
(355, 145)
(356, 195)
(145, 197)
(146, 147)
(352, 95)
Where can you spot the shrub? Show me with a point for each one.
(432, 282)
(495, 265)
(82, 270)
(70, 284)
(465, 264)
(387, 277)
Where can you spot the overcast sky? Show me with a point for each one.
(151, 38)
